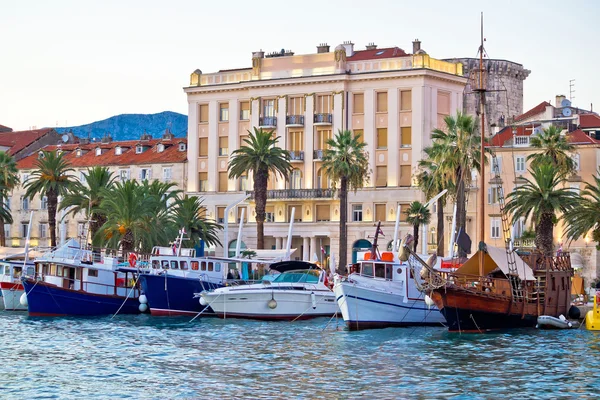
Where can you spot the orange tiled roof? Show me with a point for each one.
(589, 121)
(171, 154)
(17, 141)
(377, 53)
(5, 129)
(506, 134)
(540, 108)
(580, 137)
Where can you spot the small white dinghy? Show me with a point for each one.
(549, 322)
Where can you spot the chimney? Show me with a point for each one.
(323, 48)
(349, 48)
(258, 54)
(559, 99)
(107, 138)
(416, 46)
(371, 46)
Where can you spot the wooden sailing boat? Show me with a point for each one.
(496, 288)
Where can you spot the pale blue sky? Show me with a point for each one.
(75, 62)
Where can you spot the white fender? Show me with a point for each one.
(313, 299)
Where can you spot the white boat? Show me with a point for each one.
(381, 293)
(299, 292)
(11, 287)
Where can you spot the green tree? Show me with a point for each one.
(9, 178)
(456, 150)
(585, 215)
(51, 179)
(191, 216)
(416, 215)
(555, 150)
(85, 197)
(261, 156)
(541, 198)
(346, 161)
(431, 184)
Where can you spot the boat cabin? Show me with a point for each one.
(300, 276)
(10, 272)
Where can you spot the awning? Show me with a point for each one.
(576, 261)
(496, 258)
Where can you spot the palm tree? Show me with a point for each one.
(51, 179)
(191, 216)
(431, 184)
(261, 156)
(456, 152)
(346, 161)
(9, 178)
(555, 148)
(541, 198)
(129, 212)
(585, 216)
(416, 215)
(86, 197)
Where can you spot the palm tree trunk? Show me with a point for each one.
(52, 203)
(461, 211)
(440, 227)
(416, 235)
(544, 234)
(97, 221)
(343, 222)
(127, 242)
(2, 236)
(260, 198)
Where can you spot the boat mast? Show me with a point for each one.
(481, 91)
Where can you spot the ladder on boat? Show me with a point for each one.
(513, 276)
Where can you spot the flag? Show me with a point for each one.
(322, 250)
(174, 248)
(380, 232)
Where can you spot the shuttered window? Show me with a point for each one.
(222, 181)
(405, 136)
(203, 147)
(359, 103)
(202, 181)
(379, 212)
(405, 175)
(382, 138)
(204, 113)
(323, 212)
(223, 145)
(381, 176)
(405, 100)
(244, 110)
(382, 105)
(403, 208)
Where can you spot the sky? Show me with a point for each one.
(68, 63)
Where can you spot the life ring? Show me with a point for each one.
(132, 259)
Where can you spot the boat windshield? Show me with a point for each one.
(304, 276)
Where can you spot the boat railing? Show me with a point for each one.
(99, 287)
(538, 262)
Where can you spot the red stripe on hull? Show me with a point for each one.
(11, 286)
(270, 317)
(39, 314)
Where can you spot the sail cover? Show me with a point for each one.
(496, 258)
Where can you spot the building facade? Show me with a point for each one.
(392, 98)
(145, 159)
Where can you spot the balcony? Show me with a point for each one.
(267, 122)
(323, 119)
(521, 141)
(297, 194)
(296, 156)
(294, 121)
(318, 154)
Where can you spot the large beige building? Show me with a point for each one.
(393, 98)
(145, 159)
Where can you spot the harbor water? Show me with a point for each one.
(144, 357)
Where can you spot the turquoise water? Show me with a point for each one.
(143, 357)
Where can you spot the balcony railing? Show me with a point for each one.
(297, 194)
(323, 118)
(317, 154)
(524, 243)
(522, 141)
(294, 120)
(297, 155)
(267, 121)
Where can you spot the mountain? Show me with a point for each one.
(132, 126)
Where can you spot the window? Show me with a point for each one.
(160, 148)
(297, 212)
(24, 178)
(324, 104)
(174, 264)
(7, 203)
(576, 161)
(78, 153)
(24, 203)
(496, 163)
(494, 193)
(322, 137)
(92, 273)
(224, 112)
(574, 187)
(183, 264)
(268, 108)
(43, 231)
(223, 145)
(519, 228)
(270, 214)
(244, 111)
(296, 106)
(202, 181)
(223, 181)
(296, 179)
(405, 136)
(359, 103)
(81, 230)
(98, 151)
(296, 142)
(24, 228)
(379, 212)
(7, 230)
(203, 147)
(195, 265)
(403, 209)
(323, 181)
(520, 164)
(220, 215)
(118, 150)
(382, 101)
(145, 174)
(381, 176)
(381, 138)
(323, 212)
(44, 203)
(166, 174)
(495, 226)
(239, 214)
(139, 149)
(243, 183)
(182, 147)
(82, 178)
(124, 175)
(360, 132)
(405, 100)
(203, 113)
(357, 213)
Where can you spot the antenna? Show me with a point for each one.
(571, 90)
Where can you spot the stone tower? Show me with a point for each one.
(504, 79)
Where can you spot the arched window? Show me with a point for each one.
(323, 181)
(296, 179)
